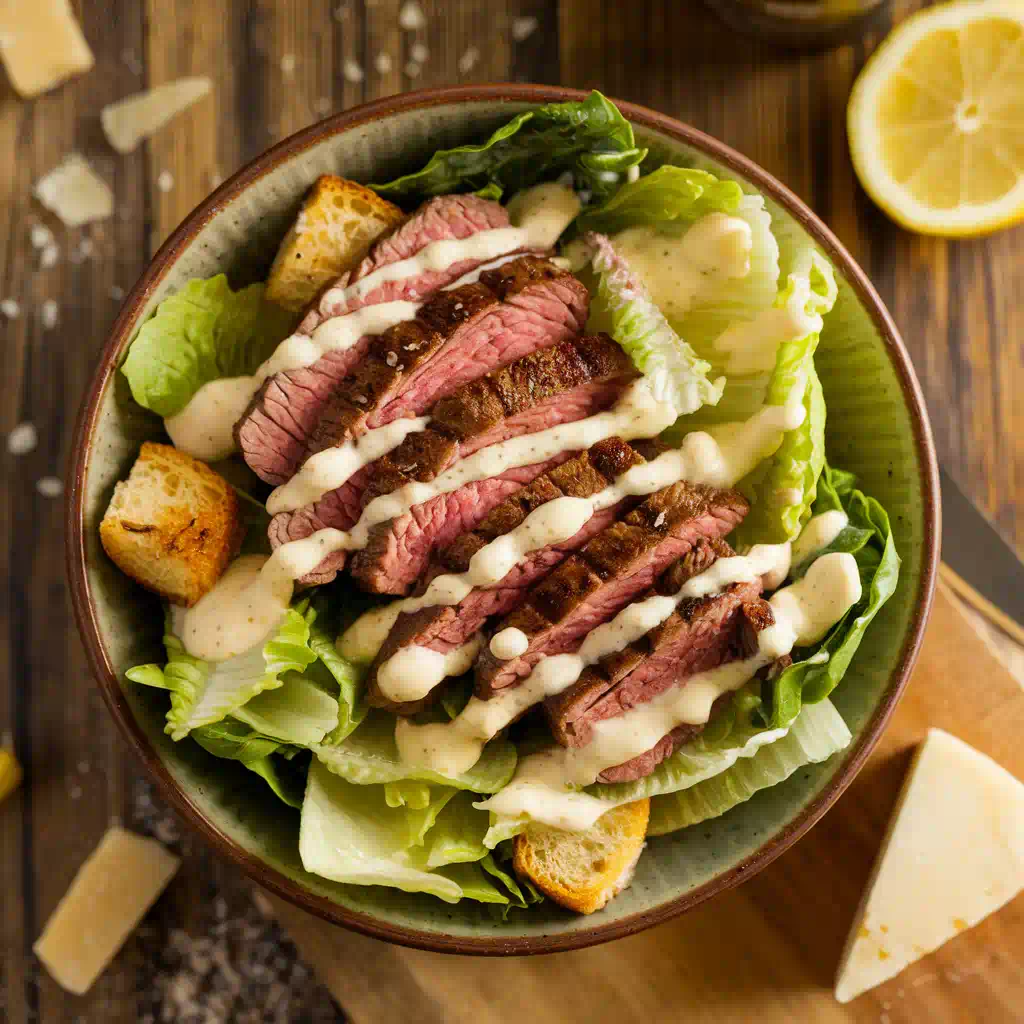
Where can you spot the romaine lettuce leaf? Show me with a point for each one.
(370, 756)
(287, 782)
(407, 793)
(640, 327)
(589, 138)
(203, 332)
(299, 711)
(458, 833)
(203, 692)
(348, 675)
(816, 672)
(522, 892)
(818, 732)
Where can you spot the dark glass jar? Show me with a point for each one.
(801, 23)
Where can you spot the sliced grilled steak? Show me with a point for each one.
(443, 628)
(273, 433)
(456, 337)
(556, 385)
(594, 584)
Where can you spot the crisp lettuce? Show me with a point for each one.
(816, 672)
(407, 793)
(203, 692)
(350, 834)
(370, 756)
(300, 711)
(590, 139)
(640, 327)
(818, 732)
(203, 332)
(349, 676)
(459, 833)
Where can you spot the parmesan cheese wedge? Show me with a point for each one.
(41, 44)
(75, 192)
(112, 891)
(954, 853)
(127, 122)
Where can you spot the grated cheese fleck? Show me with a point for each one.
(75, 192)
(411, 16)
(352, 70)
(523, 28)
(468, 60)
(382, 62)
(22, 439)
(50, 314)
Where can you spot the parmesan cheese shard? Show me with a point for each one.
(954, 854)
(112, 891)
(75, 192)
(41, 44)
(127, 122)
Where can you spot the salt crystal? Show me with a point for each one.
(382, 62)
(419, 53)
(523, 28)
(288, 65)
(40, 236)
(49, 256)
(50, 487)
(165, 181)
(75, 192)
(50, 314)
(22, 439)
(10, 308)
(412, 69)
(411, 16)
(469, 60)
(352, 70)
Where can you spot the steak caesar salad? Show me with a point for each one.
(496, 531)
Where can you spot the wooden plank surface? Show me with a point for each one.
(765, 951)
(276, 66)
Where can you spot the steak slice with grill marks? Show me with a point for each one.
(555, 385)
(609, 572)
(443, 628)
(273, 433)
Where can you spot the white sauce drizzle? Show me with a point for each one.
(509, 643)
(819, 532)
(454, 747)
(680, 273)
(413, 671)
(204, 428)
(804, 612)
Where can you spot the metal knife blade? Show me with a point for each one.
(976, 552)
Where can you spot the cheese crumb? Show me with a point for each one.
(116, 292)
(323, 105)
(411, 16)
(40, 236)
(75, 192)
(112, 891)
(469, 60)
(419, 53)
(412, 69)
(50, 314)
(83, 250)
(288, 65)
(50, 486)
(382, 62)
(165, 181)
(127, 122)
(340, 12)
(523, 28)
(22, 439)
(352, 70)
(10, 308)
(41, 45)
(49, 256)
(131, 62)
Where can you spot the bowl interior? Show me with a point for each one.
(865, 389)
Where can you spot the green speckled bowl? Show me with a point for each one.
(877, 427)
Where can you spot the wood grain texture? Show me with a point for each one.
(278, 65)
(766, 951)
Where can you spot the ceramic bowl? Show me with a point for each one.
(877, 427)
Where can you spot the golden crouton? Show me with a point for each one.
(584, 870)
(173, 525)
(338, 223)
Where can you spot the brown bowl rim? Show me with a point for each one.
(103, 670)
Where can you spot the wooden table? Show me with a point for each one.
(278, 65)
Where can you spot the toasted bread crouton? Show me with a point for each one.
(584, 870)
(336, 226)
(173, 525)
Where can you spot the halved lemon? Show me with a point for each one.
(936, 119)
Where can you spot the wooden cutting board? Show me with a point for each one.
(766, 951)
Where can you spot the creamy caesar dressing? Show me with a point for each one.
(204, 428)
(804, 612)
(509, 643)
(679, 273)
(454, 747)
(244, 607)
(321, 472)
(413, 671)
(820, 531)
